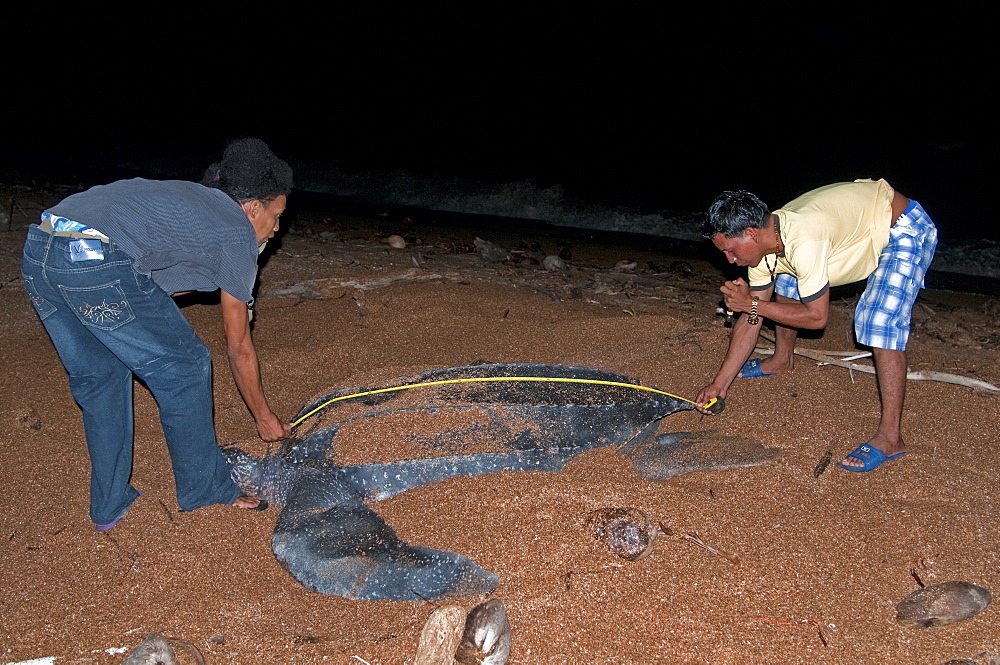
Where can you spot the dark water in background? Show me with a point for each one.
(605, 190)
(968, 261)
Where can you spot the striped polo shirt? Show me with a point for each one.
(186, 236)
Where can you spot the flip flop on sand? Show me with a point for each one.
(250, 503)
(871, 458)
(751, 370)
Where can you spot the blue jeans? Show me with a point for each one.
(109, 323)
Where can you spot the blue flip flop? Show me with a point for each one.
(871, 458)
(751, 370)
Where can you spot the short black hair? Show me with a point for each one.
(732, 212)
(249, 171)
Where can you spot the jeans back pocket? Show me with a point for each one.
(104, 306)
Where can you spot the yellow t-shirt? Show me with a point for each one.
(832, 236)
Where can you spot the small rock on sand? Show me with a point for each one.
(553, 263)
(942, 604)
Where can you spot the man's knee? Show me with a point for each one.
(885, 358)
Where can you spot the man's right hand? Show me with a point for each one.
(707, 394)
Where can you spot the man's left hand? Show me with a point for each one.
(737, 295)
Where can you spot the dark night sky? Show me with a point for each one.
(632, 103)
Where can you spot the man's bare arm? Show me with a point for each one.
(811, 315)
(246, 369)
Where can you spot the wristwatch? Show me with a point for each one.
(752, 318)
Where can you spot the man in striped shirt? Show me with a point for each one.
(101, 269)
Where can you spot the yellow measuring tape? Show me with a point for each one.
(486, 379)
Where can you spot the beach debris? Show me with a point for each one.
(493, 418)
(481, 637)
(694, 538)
(523, 257)
(334, 288)
(158, 649)
(440, 636)
(674, 454)
(490, 252)
(824, 462)
(625, 265)
(151, 651)
(626, 532)
(553, 263)
(396, 241)
(797, 622)
(486, 639)
(30, 419)
(829, 358)
(565, 250)
(682, 268)
(942, 604)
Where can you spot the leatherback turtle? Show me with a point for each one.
(483, 418)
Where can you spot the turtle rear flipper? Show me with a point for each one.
(344, 548)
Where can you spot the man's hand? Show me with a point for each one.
(707, 394)
(737, 295)
(271, 428)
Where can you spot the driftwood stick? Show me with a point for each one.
(827, 357)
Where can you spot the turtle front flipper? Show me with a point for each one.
(677, 453)
(332, 543)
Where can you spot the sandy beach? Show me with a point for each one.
(822, 561)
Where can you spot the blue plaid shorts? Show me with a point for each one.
(882, 317)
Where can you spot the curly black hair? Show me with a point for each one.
(733, 212)
(249, 171)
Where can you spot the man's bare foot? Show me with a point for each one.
(250, 503)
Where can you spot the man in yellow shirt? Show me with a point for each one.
(830, 236)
